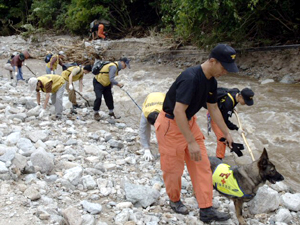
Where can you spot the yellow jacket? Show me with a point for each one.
(74, 69)
(103, 76)
(54, 66)
(57, 80)
(153, 102)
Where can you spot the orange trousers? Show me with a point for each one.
(221, 147)
(174, 152)
(101, 31)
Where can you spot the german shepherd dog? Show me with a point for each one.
(249, 178)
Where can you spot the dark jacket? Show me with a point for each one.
(226, 104)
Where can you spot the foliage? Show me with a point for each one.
(202, 22)
(210, 21)
(49, 14)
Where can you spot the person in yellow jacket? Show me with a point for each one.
(51, 66)
(103, 83)
(151, 108)
(71, 75)
(50, 84)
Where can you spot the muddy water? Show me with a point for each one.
(273, 122)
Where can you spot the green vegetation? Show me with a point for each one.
(201, 22)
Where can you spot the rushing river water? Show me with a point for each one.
(273, 122)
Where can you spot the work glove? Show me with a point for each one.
(42, 113)
(25, 64)
(121, 85)
(16, 73)
(52, 72)
(71, 87)
(147, 155)
(241, 131)
(236, 147)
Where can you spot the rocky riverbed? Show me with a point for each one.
(78, 171)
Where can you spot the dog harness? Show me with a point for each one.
(225, 182)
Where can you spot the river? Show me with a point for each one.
(273, 121)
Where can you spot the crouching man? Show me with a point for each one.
(50, 84)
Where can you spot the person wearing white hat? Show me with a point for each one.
(56, 59)
(50, 84)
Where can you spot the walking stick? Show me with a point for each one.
(243, 135)
(31, 71)
(83, 97)
(132, 99)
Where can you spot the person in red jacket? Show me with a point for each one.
(17, 62)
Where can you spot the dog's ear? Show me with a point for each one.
(263, 160)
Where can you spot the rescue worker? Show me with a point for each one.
(94, 29)
(180, 138)
(56, 59)
(8, 66)
(18, 61)
(150, 110)
(71, 75)
(50, 84)
(101, 33)
(226, 103)
(103, 83)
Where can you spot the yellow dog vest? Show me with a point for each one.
(225, 182)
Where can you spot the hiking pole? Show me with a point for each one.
(83, 97)
(132, 99)
(243, 135)
(30, 70)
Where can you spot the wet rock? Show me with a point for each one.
(287, 79)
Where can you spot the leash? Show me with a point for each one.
(31, 71)
(131, 99)
(243, 135)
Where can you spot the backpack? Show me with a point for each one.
(221, 92)
(68, 65)
(98, 65)
(48, 57)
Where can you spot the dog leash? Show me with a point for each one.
(243, 135)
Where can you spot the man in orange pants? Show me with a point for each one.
(101, 31)
(179, 137)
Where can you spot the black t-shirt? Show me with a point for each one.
(191, 88)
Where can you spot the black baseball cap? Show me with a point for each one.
(248, 94)
(126, 61)
(226, 56)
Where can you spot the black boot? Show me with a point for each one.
(113, 114)
(210, 214)
(76, 106)
(179, 207)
